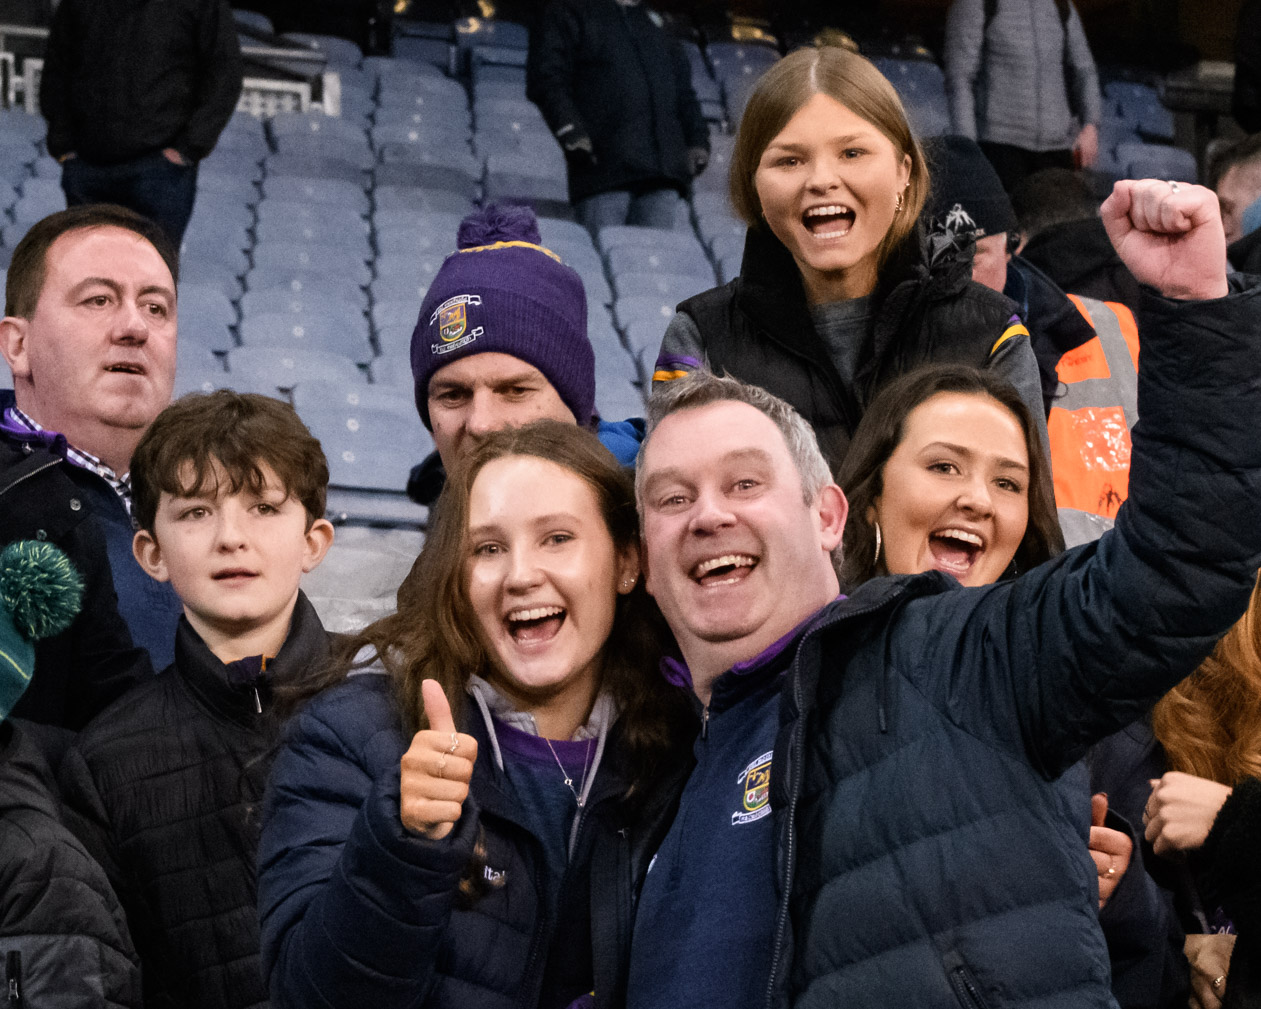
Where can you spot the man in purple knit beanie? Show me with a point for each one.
(501, 341)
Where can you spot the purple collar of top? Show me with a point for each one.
(677, 674)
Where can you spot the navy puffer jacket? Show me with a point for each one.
(922, 854)
(357, 911)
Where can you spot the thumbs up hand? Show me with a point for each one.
(435, 770)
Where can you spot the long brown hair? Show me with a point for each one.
(433, 632)
(1210, 723)
(854, 82)
(880, 433)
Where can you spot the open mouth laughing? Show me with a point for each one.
(832, 220)
(955, 551)
(535, 625)
(728, 569)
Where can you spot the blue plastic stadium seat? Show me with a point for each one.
(406, 167)
(200, 377)
(654, 259)
(358, 153)
(317, 303)
(667, 286)
(16, 123)
(339, 52)
(392, 324)
(318, 166)
(252, 19)
(393, 371)
(326, 192)
(1157, 161)
(511, 176)
(657, 311)
(390, 199)
(283, 368)
(316, 396)
(406, 268)
(284, 229)
(656, 238)
(209, 273)
(339, 261)
(205, 302)
(310, 333)
(297, 285)
(618, 400)
(297, 212)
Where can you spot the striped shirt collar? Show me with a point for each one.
(16, 420)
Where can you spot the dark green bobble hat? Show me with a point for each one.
(40, 595)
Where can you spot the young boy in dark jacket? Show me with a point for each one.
(229, 494)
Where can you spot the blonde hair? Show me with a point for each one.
(855, 83)
(1210, 723)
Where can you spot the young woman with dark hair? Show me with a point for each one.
(840, 290)
(946, 473)
(462, 821)
(918, 421)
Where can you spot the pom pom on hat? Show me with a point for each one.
(497, 223)
(502, 292)
(40, 595)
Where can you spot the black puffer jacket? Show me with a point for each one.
(93, 662)
(965, 883)
(164, 786)
(758, 328)
(351, 902)
(599, 68)
(63, 936)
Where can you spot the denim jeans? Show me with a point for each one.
(655, 208)
(150, 185)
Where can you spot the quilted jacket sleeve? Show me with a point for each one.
(1085, 644)
(349, 902)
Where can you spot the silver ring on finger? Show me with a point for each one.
(442, 765)
(1174, 187)
(1219, 981)
(455, 742)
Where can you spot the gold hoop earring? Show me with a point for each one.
(899, 203)
(875, 561)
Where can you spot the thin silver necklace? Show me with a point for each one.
(580, 795)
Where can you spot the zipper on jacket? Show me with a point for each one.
(26, 476)
(965, 988)
(13, 979)
(705, 722)
(798, 748)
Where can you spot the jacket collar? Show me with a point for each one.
(306, 647)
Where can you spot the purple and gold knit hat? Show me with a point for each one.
(503, 292)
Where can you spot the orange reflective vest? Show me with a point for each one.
(1089, 425)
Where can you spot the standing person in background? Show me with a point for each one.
(1022, 82)
(839, 289)
(135, 94)
(616, 91)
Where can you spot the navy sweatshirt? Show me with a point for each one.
(706, 914)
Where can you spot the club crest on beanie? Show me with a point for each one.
(503, 292)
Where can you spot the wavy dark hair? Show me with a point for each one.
(433, 632)
(881, 431)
